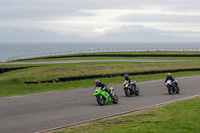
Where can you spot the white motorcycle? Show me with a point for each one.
(172, 88)
(130, 88)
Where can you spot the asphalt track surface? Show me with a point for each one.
(79, 61)
(38, 112)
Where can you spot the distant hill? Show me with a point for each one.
(17, 35)
(138, 35)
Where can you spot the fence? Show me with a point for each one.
(100, 50)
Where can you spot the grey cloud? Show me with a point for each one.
(51, 8)
(159, 18)
(59, 8)
(42, 8)
(38, 10)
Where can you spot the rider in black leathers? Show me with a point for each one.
(103, 86)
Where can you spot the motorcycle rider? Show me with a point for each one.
(126, 77)
(103, 86)
(169, 77)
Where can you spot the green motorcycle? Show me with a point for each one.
(103, 97)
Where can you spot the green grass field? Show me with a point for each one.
(180, 117)
(183, 117)
(14, 87)
(55, 71)
(110, 58)
(12, 83)
(114, 53)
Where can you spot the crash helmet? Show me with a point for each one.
(126, 77)
(97, 81)
(168, 75)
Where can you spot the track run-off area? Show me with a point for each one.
(40, 112)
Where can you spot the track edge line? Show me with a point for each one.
(99, 118)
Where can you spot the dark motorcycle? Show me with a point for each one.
(130, 88)
(172, 88)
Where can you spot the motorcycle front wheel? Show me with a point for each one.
(170, 90)
(100, 99)
(127, 92)
(115, 99)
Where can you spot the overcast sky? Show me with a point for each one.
(91, 18)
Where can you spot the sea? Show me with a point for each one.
(8, 50)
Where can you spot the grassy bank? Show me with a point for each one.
(55, 71)
(11, 83)
(57, 58)
(110, 58)
(153, 52)
(13, 87)
(180, 117)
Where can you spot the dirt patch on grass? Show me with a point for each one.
(143, 115)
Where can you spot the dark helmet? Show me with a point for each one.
(126, 76)
(97, 82)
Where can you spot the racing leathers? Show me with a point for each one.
(103, 87)
(169, 77)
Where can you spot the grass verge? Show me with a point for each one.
(112, 58)
(65, 57)
(13, 87)
(11, 83)
(55, 71)
(180, 117)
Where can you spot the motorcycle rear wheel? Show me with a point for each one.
(178, 90)
(137, 91)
